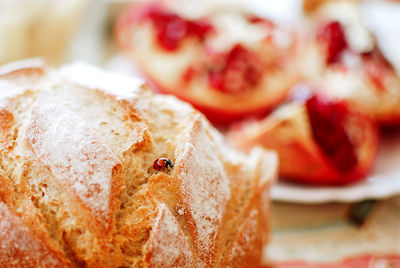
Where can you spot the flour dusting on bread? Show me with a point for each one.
(73, 152)
(77, 149)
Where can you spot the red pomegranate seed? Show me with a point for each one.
(241, 72)
(172, 29)
(332, 35)
(189, 74)
(327, 120)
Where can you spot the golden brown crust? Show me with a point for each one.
(247, 245)
(31, 66)
(166, 232)
(24, 241)
(61, 140)
(6, 125)
(195, 161)
(19, 247)
(81, 190)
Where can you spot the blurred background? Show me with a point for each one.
(64, 31)
(302, 235)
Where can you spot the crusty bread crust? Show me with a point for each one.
(158, 251)
(78, 188)
(24, 241)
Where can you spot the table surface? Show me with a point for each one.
(331, 233)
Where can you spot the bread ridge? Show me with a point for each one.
(25, 241)
(147, 207)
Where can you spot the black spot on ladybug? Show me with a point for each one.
(162, 163)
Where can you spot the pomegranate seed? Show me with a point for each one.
(332, 35)
(327, 120)
(172, 29)
(241, 72)
(189, 74)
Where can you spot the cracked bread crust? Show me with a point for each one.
(78, 188)
(24, 240)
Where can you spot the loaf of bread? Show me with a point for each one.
(78, 187)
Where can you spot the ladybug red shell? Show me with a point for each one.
(162, 163)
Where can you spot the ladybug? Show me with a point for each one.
(162, 163)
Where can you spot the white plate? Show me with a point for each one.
(383, 182)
